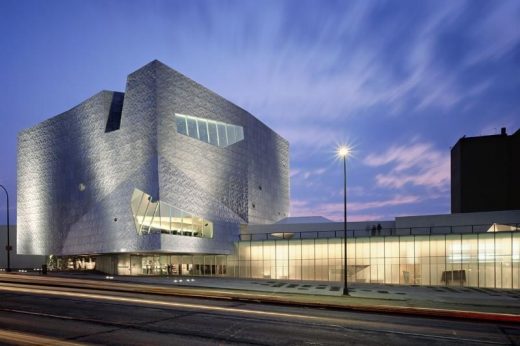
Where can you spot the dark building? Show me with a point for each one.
(485, 173)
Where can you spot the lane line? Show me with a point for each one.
(222, 309)
(19, 338)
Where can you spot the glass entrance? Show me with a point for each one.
(179, 265)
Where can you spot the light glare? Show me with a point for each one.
(343, 151)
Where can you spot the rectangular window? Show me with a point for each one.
(181, 124)
(222, 137)
(203, 130)
(192, 128)
(212, 133)
(231, 133)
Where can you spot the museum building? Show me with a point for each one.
(168, 167)
(169, 178)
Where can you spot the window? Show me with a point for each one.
(212, 132)
(181, 125)
(209, 131)
(192, 128)
(231, 133)
(222, 136)
(158, 217)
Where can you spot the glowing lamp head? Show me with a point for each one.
(343, 151)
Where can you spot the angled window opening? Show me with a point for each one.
(158, 217)
(209, 131)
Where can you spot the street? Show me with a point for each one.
(39, 314)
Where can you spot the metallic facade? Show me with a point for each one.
(77, 171)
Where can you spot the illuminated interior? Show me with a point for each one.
(158, 217)
(474, 260)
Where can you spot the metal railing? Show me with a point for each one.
(383, 232)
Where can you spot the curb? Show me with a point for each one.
(194, 292)
(410, 311)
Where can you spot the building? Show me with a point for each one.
(17, 261)
(469, 249)
(485, 173)
(166, 168)
(169, 178)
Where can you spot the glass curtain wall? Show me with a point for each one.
(476, 260)
(176, 265)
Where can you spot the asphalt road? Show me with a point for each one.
(34, 314)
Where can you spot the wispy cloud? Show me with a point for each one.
(397, 200)
(314, 172)
(334, 73)
(317, 72)
(334, 211)
(419, 164)
(294, 172)
(497, 33)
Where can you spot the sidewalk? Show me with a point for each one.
(428, 297)
(434, 301)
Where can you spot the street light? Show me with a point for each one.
(8, 247)
(343, 152)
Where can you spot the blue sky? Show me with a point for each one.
(401, 81)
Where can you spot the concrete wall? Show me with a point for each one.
(17, 261)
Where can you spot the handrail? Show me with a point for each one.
(383, 232)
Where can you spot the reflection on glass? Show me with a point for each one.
(231, 133)
(239, 130)
(222, 137)
(192, 128)
(209, 131)
(181, 125)
(159, 217)
(203, 130)
(212, 133)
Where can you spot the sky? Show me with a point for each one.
(400, 81)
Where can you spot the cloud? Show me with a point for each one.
(347, 65)
(496, 34)
(418, 164)
(308, 69)
(365, 217)
(306, 175)
(314, 172)
(397, 200)
(294, 172)
(334, 211)
(307, 135)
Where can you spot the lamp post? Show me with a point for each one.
(8, 247)
(342, 152)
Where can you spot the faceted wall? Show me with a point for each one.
(75, 179)
(78, 170)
